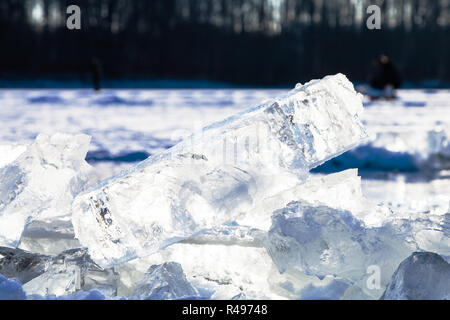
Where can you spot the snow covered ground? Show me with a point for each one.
(124, 123)
(408, 135)
(404, 165)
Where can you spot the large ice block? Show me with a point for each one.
(321, 241)
(218, 174)
(41, 182)
(422, 276)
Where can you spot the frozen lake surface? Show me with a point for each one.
(122, 122)
(407, 155)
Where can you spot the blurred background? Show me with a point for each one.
(204, 43)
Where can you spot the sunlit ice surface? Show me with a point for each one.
(404, 165)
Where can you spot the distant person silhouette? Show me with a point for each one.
(383, 79)
(96, 72)
(384, 74)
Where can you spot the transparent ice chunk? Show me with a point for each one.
(422, 276)
(49, 237)
(63, 274)
(220, 173)
(164, 282)
(41, 183)
(322, 241)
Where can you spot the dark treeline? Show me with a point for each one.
(257, 42)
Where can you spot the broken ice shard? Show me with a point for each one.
(41, 183)
(422, 276)
(341, 190)
(218, 174)
(66, 273)
(21, 265)
(321, 241)
(164, 282)
(218, 267)
(49, 237)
